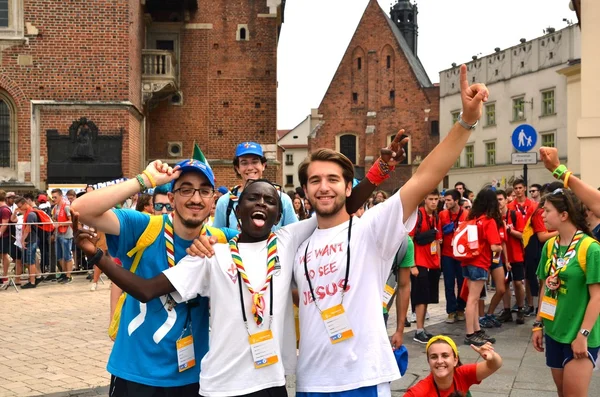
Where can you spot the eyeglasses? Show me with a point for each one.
(160, 206)
(205, 192)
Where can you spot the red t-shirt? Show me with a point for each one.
(423, 253)
(537, 222)
(526, 209)
(465, 376)
(489, 235)
(5, 214)
(446, 217)
(514, 246)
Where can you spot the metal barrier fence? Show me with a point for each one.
(42, 249)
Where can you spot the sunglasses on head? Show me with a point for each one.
(251, 181)
(160, 206)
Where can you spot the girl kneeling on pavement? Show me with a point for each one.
(449, 377)
(568, 314)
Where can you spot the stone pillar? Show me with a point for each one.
(588, 126)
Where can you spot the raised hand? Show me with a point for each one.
(162, 173)
(486, 351)
(394, 154)
(85, 239)
(472, 97)
(549, 156)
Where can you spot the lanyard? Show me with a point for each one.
(244, 307)
(312, 292)
(438, 390)
(457, 220)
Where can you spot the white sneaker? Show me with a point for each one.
(412, 318)
(94, 287)
(427, 316)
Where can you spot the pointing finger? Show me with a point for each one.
(464, 83)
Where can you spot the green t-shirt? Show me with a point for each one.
(573, 295)
(407, 262)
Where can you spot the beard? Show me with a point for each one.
(190, 223)
(334, 210)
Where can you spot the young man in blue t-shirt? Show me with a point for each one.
(144, 359)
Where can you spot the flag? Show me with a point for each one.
(198, 155)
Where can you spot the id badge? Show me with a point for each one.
(262, 346)
(337, 324)
(496, 257)
(433, 248)
(388, 292)
(186, 357)
(548, 309)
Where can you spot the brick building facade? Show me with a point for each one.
(109, 85)
(380, 86)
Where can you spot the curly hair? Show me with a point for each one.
(486, 203)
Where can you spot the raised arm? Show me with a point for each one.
(140, 288)
(94, 208)
(586, 193)
(437, 164)
(491, 361)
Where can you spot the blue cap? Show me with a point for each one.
(222, 190)
(163, 189)
(246, 148)
(195, 166)
(401, 355)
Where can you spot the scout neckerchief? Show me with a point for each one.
(306, 274)
(557, 264)
(258, 301)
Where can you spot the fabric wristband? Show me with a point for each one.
(141, 182)
(379, 172)
(559, 171)
(150, 178)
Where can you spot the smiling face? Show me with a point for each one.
(326, 188)
(441, 360)
(192, 209)
(250, 167)
(258, 210)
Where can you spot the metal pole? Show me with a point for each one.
(525, 177)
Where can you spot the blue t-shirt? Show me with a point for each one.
(288, 216)
(145, 349)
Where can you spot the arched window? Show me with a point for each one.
(8, 133)
(242, 34)
(348, 146)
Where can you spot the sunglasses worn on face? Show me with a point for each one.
(160, 206)
(533, 191)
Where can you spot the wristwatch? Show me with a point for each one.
(584, 332)
(96, 258)
(464, 124)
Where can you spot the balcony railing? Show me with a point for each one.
(159, 74)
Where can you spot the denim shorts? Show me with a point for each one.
(474, 273)
(559, 354)
(28, 255)
(63, 249)
(495, 266)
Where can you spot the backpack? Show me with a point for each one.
(233, 198)
(584, 244)
(150, 234)
(465, 243)
(46, 226)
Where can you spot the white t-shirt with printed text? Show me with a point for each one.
(228, 368)
(367, 358)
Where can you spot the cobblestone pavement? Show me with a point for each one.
(53, 342)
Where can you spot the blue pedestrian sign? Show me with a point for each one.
(524, 138)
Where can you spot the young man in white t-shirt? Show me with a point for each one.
(341, 270)
(230, 368)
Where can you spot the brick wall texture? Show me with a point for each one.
(92, 50)
(373, 42)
